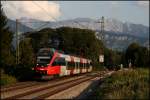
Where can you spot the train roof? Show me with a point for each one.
(67, 57)
(73, 58)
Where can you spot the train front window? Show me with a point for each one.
(42, 53)
(45, 52)
(44, 57)
(43, 62)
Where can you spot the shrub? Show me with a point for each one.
(7, 79)
(131, 84)
(23, 72)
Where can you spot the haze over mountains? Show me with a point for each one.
(118, 35)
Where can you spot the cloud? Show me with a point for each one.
(144, 4)
(114, 4)
(30, 9)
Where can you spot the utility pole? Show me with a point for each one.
(102, 28)
(101, 56)
(102, 34)
(17, 43)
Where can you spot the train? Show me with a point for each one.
(53, 63)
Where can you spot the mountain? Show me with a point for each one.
(118, 35)
(21, 29)
(120, 42)
(32, 23)
(111, 25)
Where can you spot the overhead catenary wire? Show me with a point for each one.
(102, 26)
(53, 18)
(44, 10)
(48, 22)
(46, 13)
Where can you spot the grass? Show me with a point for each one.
(6, 79)
(131, 84)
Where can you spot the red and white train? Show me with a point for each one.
(51, 63)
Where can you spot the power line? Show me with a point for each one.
(79, 23)
(46, 13)
(44, 10)
(41, 22)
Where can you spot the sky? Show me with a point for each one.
(126, 11)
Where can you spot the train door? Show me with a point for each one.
(78, 68)
(63, 67)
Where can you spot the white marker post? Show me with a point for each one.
(101, 58)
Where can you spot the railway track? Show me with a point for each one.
(63, 87)
(41, 91)
(12, 91)
(22, 85)
(18, 86)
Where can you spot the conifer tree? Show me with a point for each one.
(6, 58)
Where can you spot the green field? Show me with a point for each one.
(130, 84)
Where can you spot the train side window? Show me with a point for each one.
(75, 64)
(90, 63)
(62, 62)
(81, 65)
(66, 63)
(87, 64)
(59, 62)
(71, 65)
(78, 64)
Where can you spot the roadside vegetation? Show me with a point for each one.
(130, 84)
(6, 79)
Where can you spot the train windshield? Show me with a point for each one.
(44, 57)
(43, 62)
(45, 53)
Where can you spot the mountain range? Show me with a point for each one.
(118, 35)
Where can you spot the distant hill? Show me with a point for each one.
(120, 42)
(21, 29)
(118, 35)
(111, 25)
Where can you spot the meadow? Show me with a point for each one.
(129, 84)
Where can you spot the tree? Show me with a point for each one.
(26, 53)
(137, 55)
(81, 42)
(74, 41)
(132, 53)
(7, 58)
(41, 38)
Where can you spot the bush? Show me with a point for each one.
(131, 84)
(7, 79)
(98, 66)
(23, 72)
